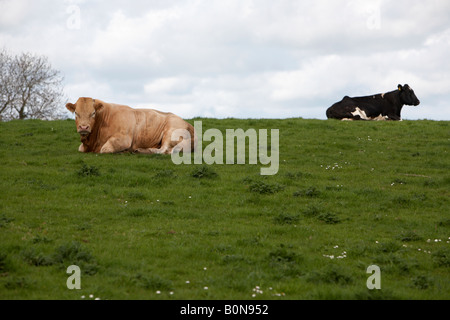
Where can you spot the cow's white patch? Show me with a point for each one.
(347, 119)
(379, 118)
(361, 113)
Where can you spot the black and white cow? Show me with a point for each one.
(384, 106)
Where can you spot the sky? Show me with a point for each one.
(239, 58)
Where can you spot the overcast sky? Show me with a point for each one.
(239, 58)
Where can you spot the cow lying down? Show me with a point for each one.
(384, 106)
(110, 128)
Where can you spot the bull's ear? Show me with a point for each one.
(70, 107)
(399, 87)
(98, 105)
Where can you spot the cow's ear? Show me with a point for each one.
(70, 107)
(399, 87)
(98, 105)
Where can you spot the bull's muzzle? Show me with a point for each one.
(84, 130)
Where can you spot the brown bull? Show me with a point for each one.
(110, 128)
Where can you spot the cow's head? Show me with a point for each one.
(85, 110)
(407, 95)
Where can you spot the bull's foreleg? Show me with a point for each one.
(116, 144)
(82, 148)
(152, 150)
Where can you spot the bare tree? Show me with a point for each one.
(29, 87)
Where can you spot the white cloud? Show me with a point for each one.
(239, 58)
(12, 12)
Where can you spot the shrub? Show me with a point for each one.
(442, 257)
(281, 254)
(154, 282)
(422, 282)
(74, 254)
(86, 171)
(285, 218)
(329, 218)
(34, 258)
(203, 171)
(262, 187)
(285, 262)
(4, 220)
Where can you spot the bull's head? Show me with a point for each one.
(407, 95)
(85, 110)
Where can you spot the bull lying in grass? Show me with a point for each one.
(110, 128)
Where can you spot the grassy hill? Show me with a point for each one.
(347, 195)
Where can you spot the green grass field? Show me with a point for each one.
(347, 195)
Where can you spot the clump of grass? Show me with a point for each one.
(83, 226)
(68, 254)
(4, 220)
(311, 211)
(331, 274)
(136, 195)
(87, 171)
(282, 254)
(402, 201)
(311, 192)
(34, 258)
(395, 262)
(384, 294)
(233, 258)
(263, 187)
(285, 262)
(442, 257)
(408, 236)
(3, 263)
(41, 239)
(139, 212)
(399, 181)
(329, 218)
(389, 247)
(19, 283)
(444, 223)
(74, 253)
(164, 174)
(153, 282)
(203, 171)
(297, 175)
(422, 282)
(286, 218)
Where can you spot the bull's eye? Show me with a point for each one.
(77, 115)
(93, 114)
